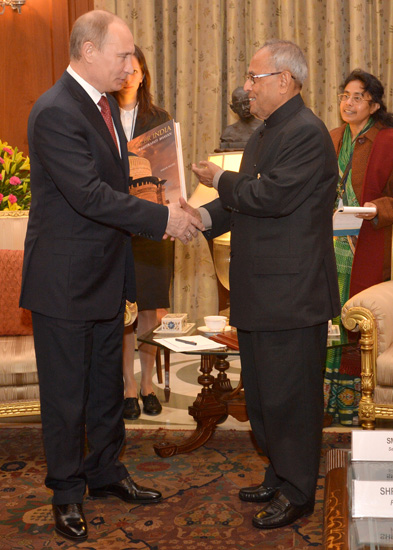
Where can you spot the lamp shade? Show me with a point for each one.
(228, 160)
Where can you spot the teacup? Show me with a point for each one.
(215, 323)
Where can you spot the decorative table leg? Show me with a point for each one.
(221, 382)
(206, 410)
(235, 402)
(167, 389)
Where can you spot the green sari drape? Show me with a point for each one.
(342, 391)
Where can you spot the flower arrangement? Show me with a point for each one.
(15, 191)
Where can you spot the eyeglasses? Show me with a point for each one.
(356, 98)
(251, 77)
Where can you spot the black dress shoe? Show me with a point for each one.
(280, 512)
(70, 521)
(258, 493)
(127, 490)
(151, 405)
(132, 410)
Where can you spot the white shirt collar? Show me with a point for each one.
(94, 94)
(89, 89)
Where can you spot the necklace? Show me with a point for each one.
(133, 121)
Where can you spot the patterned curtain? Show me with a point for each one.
(198, 52)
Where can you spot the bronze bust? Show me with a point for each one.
(235, 136)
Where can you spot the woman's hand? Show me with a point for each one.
(371, 215)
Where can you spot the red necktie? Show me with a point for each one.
(106, 113)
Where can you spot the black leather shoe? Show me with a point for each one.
(70, 521)
(280, 512)
(127, 490)
(132, 410)
(151, 405)
(258, 493)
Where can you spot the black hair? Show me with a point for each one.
(375, 88)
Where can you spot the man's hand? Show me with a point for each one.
(182, 224)
(188, 208)
(206, 172)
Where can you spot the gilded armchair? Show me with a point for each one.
(371, 312)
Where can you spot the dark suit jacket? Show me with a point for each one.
(279, 211)
(78, 247)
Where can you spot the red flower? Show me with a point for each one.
(12, 199)
(8, 150)
(14, 180)
(1, 197)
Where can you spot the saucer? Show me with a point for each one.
(208, 331)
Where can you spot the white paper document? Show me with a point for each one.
(189, 343)
(345, 221)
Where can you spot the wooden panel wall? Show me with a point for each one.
(34, 53)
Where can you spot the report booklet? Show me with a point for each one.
(345, 221)
(157, 170)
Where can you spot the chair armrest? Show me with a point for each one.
(371, 312)
(378, 300)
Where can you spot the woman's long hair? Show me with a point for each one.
(374, 87)
(144, 96)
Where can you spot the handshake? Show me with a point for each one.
(184, 222)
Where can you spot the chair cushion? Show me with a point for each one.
(18, 362)
(13, 319)
(17, 393)
(383, 396)
(385, 368)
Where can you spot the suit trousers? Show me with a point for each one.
(79, 367)
(283, 382)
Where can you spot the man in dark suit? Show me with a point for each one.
(283, 281)
(78, 268)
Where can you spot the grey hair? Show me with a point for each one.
(287, 56)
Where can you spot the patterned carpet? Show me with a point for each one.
(200, 509)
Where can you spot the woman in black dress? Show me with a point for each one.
(153, 260)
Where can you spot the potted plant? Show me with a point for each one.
(15, 191)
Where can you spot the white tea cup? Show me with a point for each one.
(215, 323)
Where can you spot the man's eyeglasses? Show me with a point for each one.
(356, 98)
(251, 77)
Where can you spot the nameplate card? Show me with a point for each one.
(372, 445)
(374, 531)
(372, 499)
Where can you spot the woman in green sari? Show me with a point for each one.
(361, 143)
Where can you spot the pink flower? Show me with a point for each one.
(1, 197)
(2, 161)
(14, 180)
(1, 177)
(12, 199)
(8, 150)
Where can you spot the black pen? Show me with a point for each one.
(186, 341)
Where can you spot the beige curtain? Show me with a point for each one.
(198, 52)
